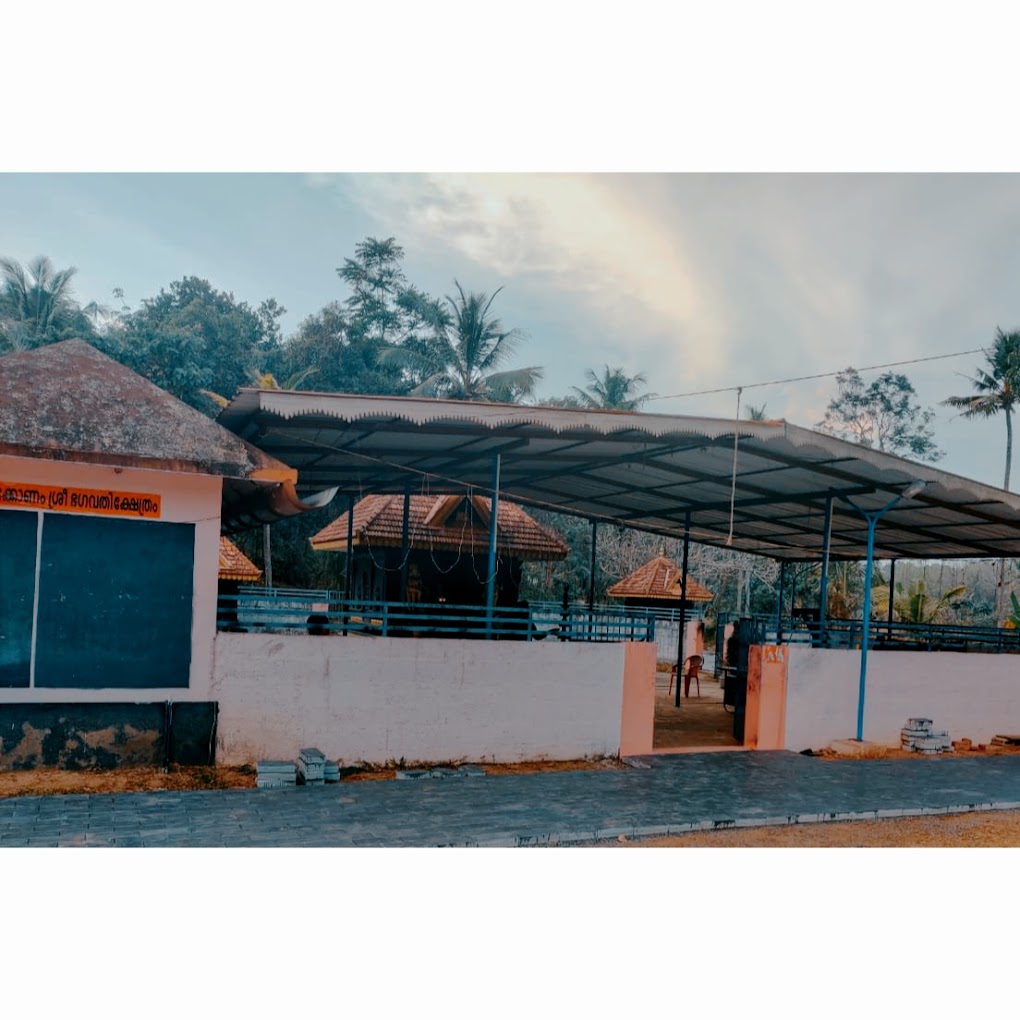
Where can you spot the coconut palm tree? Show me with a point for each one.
(459, 361)
(614, 390)
(996, 388)
(757, 413)
(34, 298)
(264, 381)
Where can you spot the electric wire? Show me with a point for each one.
(817, 375)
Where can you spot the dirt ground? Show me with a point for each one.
(131, 779)
(974, 829)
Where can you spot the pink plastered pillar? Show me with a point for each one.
(637, 718)
(765, 719)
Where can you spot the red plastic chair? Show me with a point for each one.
(692, 669)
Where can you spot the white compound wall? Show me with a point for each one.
(969, 694)
(362, 699)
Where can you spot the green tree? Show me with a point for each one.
(461, 360)
(332, 343)
(996, 388)
(37, 306)
(190, 338)
(885, 415)
(614, 390)
(1013, 620)
(757, 413)
(343, 340)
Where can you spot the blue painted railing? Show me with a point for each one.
(885, 636)
(322, 612)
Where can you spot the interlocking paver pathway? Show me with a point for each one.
(661, 795)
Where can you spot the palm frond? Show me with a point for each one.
(217, 398)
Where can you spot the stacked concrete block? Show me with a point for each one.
(311, 766)
(275, 773)
(919, 735)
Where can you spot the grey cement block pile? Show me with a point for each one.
(920, 735)
(271, 774)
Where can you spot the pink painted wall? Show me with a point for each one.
(426, 699)
(185, 498)
(637, 721)
(969, 694)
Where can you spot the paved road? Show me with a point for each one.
(659, 796)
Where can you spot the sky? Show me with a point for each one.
(698, 280)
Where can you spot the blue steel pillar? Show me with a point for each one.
(779, 602)
(683, 612)
(823, 584)
(872, 518)
(490, 582)
(349, 564)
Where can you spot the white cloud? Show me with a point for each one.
(707, 280)
(578, 234)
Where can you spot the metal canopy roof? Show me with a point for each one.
(645, 471)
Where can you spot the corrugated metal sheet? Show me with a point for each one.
(648, 471)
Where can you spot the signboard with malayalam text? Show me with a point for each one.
(66, 499)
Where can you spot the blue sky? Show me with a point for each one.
(698, 280)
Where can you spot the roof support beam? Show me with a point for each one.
(490, 580)
(683, 612)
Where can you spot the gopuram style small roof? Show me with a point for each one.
(234, 565)
(441, 523)
(69, 402)
(659, 578)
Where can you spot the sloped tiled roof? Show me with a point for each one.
(659, 578)
(234, 565)
(438, 523)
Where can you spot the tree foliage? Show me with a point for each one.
(344, 339)
(885, 415)
(996, 387)
(914, 603)
(613, 390)
(462, 360)
(192, 337)
(37, 305)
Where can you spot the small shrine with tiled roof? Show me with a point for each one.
(657, 582)
(234, 565)
(447, 548)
